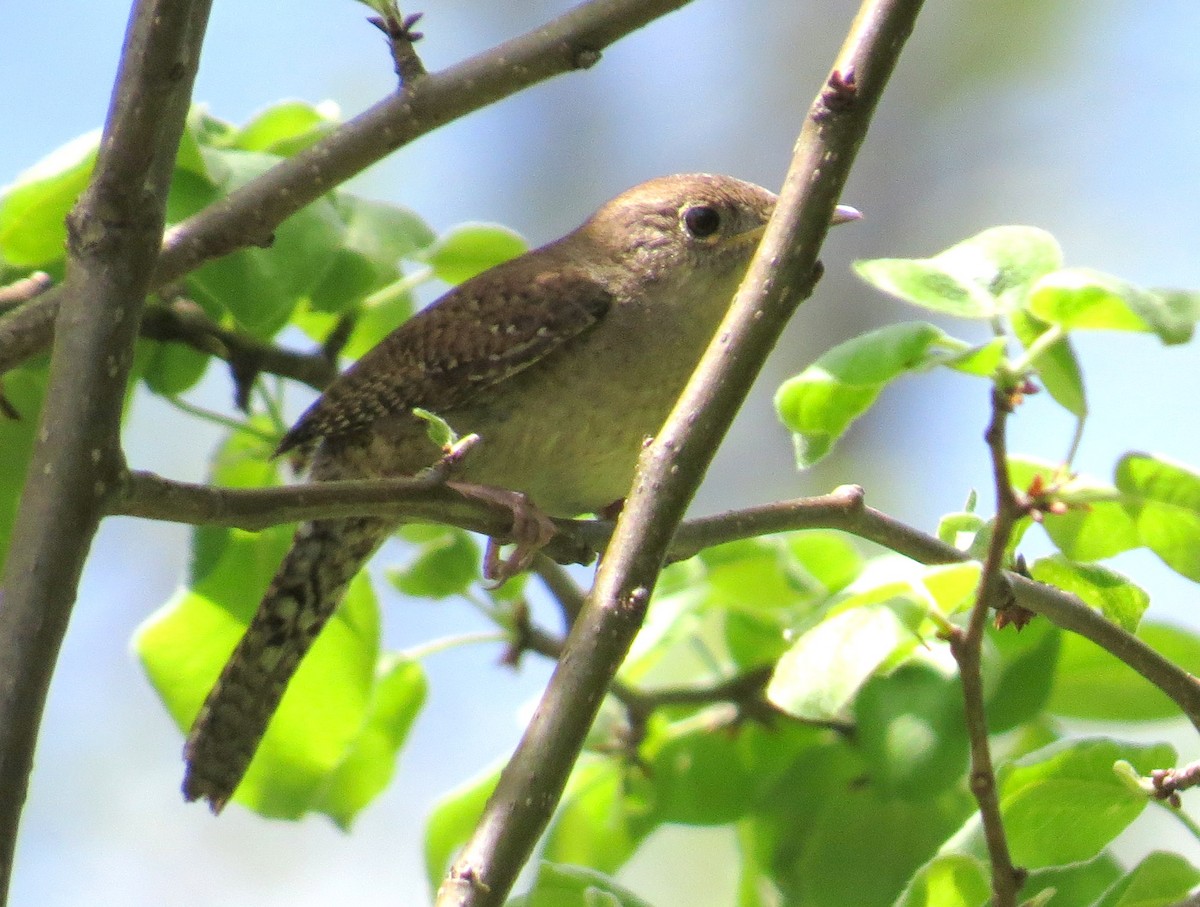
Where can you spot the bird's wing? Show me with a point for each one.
(446, 354)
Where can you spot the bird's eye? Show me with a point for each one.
(702, 221)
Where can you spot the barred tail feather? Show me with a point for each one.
(306, 590)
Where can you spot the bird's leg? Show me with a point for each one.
(531, 530)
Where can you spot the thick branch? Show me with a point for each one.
(781, 274)
(250, 215)
(114, 234)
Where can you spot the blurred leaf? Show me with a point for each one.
(707, 777)
(1095, 527)
(1057, 366)
(1083, 299)
(1080, 883)
(819, 676)
(560, 885)
(1113, 595)
(370, 761)
(446, 564)
(471, 249)
(172, 368)
(287, 127)
(950, 880)
(261, 287)
(33, 210)
(819, 404)
(452, 821)
(598, 823)
(830, 558)
(24, 389)
(1164, 500)
(1063, 804)
(1022, 674)
(822, 820)
(1160, 880)
(979, 277)
(910, 728)
(1092, 684)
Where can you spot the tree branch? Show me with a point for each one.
(967, 648)
(146, 495)
(182, 321)
(781, 275)
(114, 234)
(250, 215)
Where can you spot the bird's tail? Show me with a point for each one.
(306, 590)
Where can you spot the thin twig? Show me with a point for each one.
(21, 291)
(781, 275)
(183, 321)
(250, 215)
(113, 236)
(967, 647)
(398, 29)
(562, 587)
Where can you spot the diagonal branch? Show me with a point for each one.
(250, 215)
(781, 275)
(114, 234)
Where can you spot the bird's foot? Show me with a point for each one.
(531, 530)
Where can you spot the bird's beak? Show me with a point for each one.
(843, 214)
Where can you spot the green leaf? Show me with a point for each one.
(33, 210)
(698, 777)
(261, 287)
(24, 389)
(560, 885)
(599, 822)
(1083, 299)
(1097, 525)
(471, 249)
(910, 729)
(819, 404)
(1064, 803)
(332, 743)
(1109, 592)
(1164, 500)
(172, 368)
(1020, 673)
(452, 822)
(287, 127)
(1160, 880)
(1081, 883)
(978, 278)
(830, 558)
(369, 762)
(1057, 365)
(324, 714)
(819, 676)
(753, 575)
(822, 821)
(376, 237)
(1094, 685)
(950, 880)
(446, 564)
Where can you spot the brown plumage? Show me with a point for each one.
(563, 361)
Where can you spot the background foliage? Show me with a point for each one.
(690, 770)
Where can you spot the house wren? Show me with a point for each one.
(563, 361)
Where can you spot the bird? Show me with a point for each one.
(563, 361)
